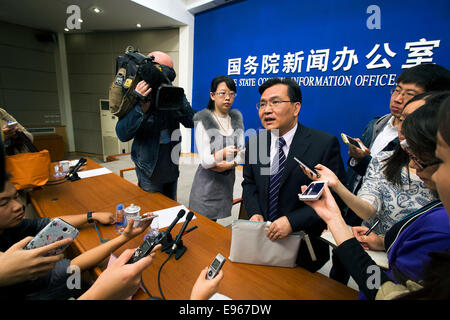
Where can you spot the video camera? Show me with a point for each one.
(164, 95)
(134, 67)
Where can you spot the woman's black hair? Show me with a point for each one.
(444, 121)
(400, 159)
(215, 83)
(420, 127)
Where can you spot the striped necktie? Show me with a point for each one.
(276, 171)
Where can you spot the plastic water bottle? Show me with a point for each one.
(120, 218)
(153, 230)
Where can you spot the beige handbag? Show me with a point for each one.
(249, 244)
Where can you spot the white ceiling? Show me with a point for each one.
(51, 15)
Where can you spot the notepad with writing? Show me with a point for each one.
(380, 257)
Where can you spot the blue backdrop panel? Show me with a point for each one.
(345, 55)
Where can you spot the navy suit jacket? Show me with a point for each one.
(312, 147)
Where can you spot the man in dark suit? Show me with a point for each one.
(272, 178)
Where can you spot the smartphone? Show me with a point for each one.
(350, 141)
(314, 191)
(215, 266)
(307, 168)
(11, 124)
(56, 230)
(148, 218)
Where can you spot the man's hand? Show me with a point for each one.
(279, 229)
(358, 153)
(18, 265)
(143, 88)
(9, 132)
(257, 217)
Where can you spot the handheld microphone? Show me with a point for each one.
(183, 228)
(72, 174)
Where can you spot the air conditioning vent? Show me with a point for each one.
(42, 130)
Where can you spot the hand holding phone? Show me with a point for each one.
(313, 191)
(146, 218)
(306, 168)
(351, 141)
(56, 230)
(215, 266)
(11, 124)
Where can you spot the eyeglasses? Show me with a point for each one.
(227, 94)
(404, 93)
(421, 165)
(274, 104)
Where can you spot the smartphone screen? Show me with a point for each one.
(313, 189)
(353, 142)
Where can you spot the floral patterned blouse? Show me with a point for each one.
(390, 201)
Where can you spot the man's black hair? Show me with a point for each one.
(294, 92)
(431, 77)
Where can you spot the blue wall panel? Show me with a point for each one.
(337, 100)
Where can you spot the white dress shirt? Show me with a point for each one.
(288, 136)
(389, 133)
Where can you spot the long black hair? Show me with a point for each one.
(215, 83)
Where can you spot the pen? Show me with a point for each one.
(371, 228)
(190, 229)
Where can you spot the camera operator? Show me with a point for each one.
(152, 129)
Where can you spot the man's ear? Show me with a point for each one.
(297, 106)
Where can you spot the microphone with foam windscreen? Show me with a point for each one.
(175, 221)
(72, 174)
(183, 228)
